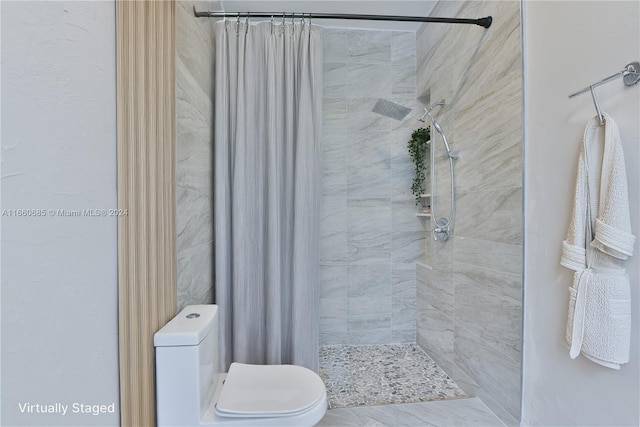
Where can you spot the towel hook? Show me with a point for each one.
(596, 104)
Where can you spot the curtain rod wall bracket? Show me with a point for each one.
(483, 22)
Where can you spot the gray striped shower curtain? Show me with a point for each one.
(268, 113)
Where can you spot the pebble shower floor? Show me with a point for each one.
(383, 374)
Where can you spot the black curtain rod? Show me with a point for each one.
(483, 22)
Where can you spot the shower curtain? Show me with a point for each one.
(268, 106)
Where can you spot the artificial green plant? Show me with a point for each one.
(418, 151)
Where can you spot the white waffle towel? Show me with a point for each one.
(599, 237)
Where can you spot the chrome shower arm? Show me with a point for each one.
(421, 118)
(427, 112)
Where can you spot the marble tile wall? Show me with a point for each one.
(194, 164)
(370, 236)
(469, 306)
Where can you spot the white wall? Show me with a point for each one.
(569, 45)
(59, 274)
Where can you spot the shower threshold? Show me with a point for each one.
(383, 374)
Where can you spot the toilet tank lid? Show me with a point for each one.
(189, 327)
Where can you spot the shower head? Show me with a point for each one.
(396, 111)
(391, 109)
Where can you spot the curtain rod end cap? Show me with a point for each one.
(485, 22)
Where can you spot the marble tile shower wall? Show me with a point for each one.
(469, 306)
(370, 236)
(194, 164)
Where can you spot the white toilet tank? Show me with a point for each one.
(186, 365)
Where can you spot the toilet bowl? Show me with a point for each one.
(191, 392)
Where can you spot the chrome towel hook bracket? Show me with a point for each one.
(597, 105)
(630, 76)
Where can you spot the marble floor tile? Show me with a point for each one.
(470, 412)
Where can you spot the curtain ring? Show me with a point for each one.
(283, 20)
(272, 24)
(238, 24)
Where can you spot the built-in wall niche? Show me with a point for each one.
(423, 202)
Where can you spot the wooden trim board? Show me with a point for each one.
(145, 49)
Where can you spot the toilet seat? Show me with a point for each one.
(265, 391)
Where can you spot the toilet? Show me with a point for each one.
(191, 392)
